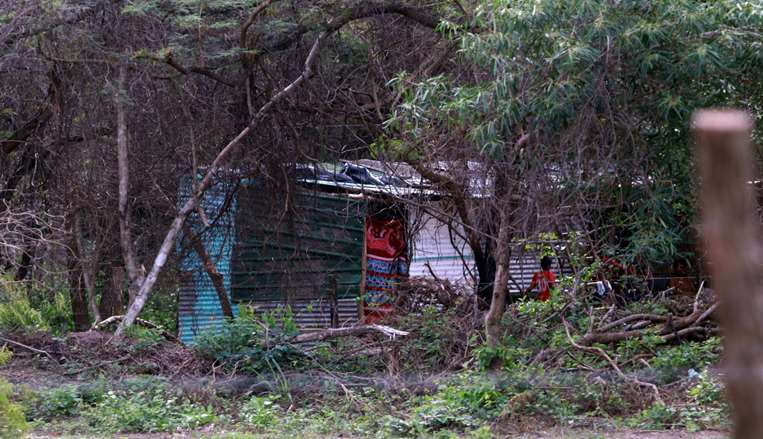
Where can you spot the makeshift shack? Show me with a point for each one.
(351, 233)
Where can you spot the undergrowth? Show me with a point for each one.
(132, 406)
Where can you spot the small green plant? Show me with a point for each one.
(688, 355)
(57, 313)
(260, 411)
(509, 354)
(152, 409)
(467, 402)
(5, 355)
(658, 416)
(144, 337)
(251, 344)
(12, 419)
(16, 314)
(708, 407)
(60, 402)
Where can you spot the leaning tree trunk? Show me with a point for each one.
(731, 234)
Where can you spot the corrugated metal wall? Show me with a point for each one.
(315, 314)
(310, 255)
(199, 306)
(434, 246)
(450, 258)
(525, 264)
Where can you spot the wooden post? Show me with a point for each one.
(730, 231)
(334, 302)
(363, 272)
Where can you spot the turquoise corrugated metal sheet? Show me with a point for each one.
(199, 306)
(300, 256)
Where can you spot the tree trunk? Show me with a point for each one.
(79, 305)
(500, 286)
(486, 270)
(88, 271)
(211, 269)
(26, 262)
(731, 234)
(112, 303)
(134, 273)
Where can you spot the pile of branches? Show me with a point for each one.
(442, 318)
(97, 351)
(416, 293)
(682, 320)
(596, 328)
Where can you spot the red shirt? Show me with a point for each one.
(544, 280)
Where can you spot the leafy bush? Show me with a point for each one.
(508, 353)
(57, 313)
(465, 403)
(688, 355)
(434, 338)
(16, 313)
(144, 337)
(658, 416)
(63, 401)
(260, 411)
(708, 407)
(5, 355)
(252, 344)
(12, 419)
(152, 409)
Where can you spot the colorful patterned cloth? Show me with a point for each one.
(387, 264)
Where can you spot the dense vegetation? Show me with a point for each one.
(572, 116)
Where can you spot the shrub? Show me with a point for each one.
(252, 344)
(508, 354)
(260, 411)
(688, 355)
(464, 403)
(17, 314)
(655, 417)
(5, 355)
(152, 409)
(12, 420)
(57, 313)
(708, 407)
(63, 401)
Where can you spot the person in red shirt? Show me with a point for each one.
(543, 280)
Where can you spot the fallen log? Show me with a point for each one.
(330, 333)
(145, 323)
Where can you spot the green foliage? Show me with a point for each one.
(260, 411)
(147, 412)
(12, 419)
(135, 405)
(63, 401)
(509, 354)
(708, 407)
(57, 313)
(697, 355)
(464, 403)
(253, 344)
(17, 314)
(144, 337)
(433, 335)
(49, 311)
(589, 71)
(5, 355)
(658, 416)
